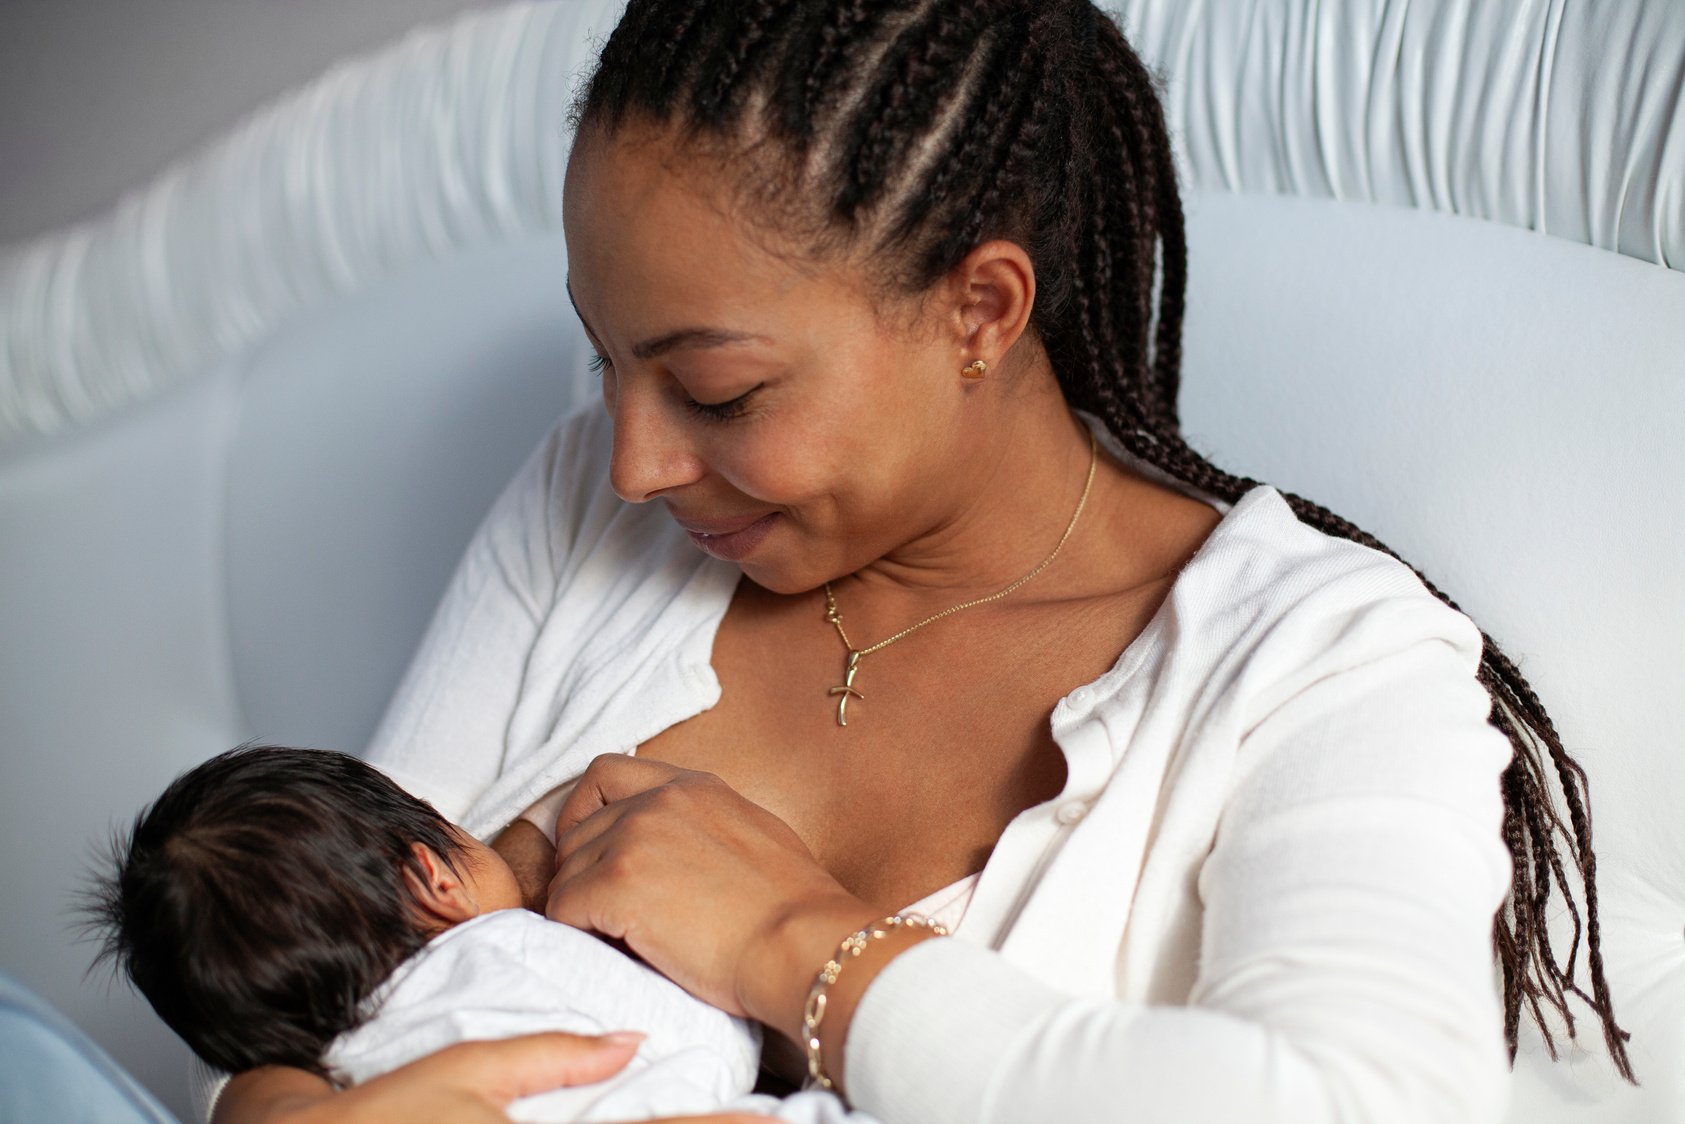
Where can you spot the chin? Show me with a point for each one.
(780, 579)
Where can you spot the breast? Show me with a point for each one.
(892, 816)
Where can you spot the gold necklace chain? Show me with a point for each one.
(834, 615)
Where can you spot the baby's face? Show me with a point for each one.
(486, 877)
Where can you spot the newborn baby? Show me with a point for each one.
(295, 907)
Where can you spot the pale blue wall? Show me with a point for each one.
(96, 95)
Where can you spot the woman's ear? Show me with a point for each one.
(441, 896)
(994, 292)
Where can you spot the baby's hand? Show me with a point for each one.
(532, 860)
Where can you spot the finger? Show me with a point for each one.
(584, 852)
(590, 830)
(507, 1069)
(588, 898)
(610, 777)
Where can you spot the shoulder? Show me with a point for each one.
(1274, 605)
(1263, 569)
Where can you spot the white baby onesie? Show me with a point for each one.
(513, 972)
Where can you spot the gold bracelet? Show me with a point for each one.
(813, 1013)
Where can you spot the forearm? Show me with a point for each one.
(269, 1094)
(953, 1032)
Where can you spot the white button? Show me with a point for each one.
(1079, 697)
(1071, 811)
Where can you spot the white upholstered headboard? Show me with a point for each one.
(248, 418)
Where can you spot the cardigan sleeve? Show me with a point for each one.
(1345, 961)
(444, 734)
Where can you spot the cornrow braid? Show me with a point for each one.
(964, 167)
(925, 55)
(925, 127)
(844, 27)
(1124, 213)
(712, 104)
(1013, 157)
(682, 25)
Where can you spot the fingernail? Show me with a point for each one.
(623, 1038)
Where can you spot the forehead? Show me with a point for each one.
(650, 226)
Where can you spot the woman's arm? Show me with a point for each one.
(470, 1083)
(273, 1093)
(1345, 958)
(1345, 961)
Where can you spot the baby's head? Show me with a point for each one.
(261, 900)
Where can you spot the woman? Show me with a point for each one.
(1203, 776)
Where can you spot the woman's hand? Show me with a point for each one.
(470, 1083)
(711, 889)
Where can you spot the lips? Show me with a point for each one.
(732, 539)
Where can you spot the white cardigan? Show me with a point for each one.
(1266, 892)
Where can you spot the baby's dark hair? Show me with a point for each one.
(259, 902)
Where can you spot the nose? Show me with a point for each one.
(652, 452)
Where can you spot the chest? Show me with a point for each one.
(947, 736)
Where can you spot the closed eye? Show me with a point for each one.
(712, 411)
(723, 411)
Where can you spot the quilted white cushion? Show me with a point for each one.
(227, 502)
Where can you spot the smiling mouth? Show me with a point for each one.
(731, 540)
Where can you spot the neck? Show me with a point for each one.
(1015, 485)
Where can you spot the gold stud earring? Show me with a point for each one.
(976, 370)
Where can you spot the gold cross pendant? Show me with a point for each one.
(847, 688)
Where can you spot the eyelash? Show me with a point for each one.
(712, 411)
(722, 411)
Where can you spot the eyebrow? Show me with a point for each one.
(692, 338)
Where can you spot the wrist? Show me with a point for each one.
(835, 994)
(797, 945)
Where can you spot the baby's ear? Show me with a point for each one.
(441, 897)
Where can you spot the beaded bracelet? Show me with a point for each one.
(852, 946)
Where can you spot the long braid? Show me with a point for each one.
(1123, 232)
(932, 125)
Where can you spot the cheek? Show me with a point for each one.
(842, 448)
(819, 478)
(794, 475)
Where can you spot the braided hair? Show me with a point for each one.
(914, 130)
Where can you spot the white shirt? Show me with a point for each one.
(1266, 892)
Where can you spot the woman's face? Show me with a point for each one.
(788, 423)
